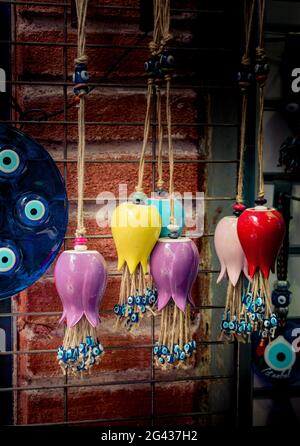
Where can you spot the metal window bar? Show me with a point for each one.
(153, 380)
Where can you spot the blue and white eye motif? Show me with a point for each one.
(10, 162)
(32, 210)
(84, 75)
(9, 259)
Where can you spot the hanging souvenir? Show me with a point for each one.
(174, 267)
(232, 259)
(80, 274)
(33, 208)
(260, 229)
(136, 226)
(174, 261)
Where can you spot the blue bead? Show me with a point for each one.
(138, 300)
(82, 347)
(176, 348)
(92, 359)
(156, 350)
(164, 350)
(171, 359)
(89, 340)
(152, 300)
(187, 348)
(267, 323)
(182, 356)
(60, 354)
(117, 309)
(143, 308)
(134, 317)
(131, 300)
(194, 344)
(144, 300)
(96, 351)
(161, 360)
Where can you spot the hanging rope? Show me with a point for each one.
(160, 181)
(261, 76)
(139, 187)
(245, 62)
(170, 150)
(81, 9)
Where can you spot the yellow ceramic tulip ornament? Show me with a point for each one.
(136, 226)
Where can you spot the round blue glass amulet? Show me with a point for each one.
(33, 211)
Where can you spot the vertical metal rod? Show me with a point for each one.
(65, 151)
(152, 371)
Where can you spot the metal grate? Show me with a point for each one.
(11, 387)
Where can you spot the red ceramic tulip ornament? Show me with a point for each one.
(261, 231)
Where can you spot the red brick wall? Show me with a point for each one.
(42, 63)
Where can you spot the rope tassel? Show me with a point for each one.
(175, 347)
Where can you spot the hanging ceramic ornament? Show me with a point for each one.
(80, 278)
(135, 228)
(80, 274)
(261, 231)
(234, 266)
(174, 266)
(33, 211)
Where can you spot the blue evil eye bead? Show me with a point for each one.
(273, 320)
(11, 162)
(123, 310)
(231, 325)
(90, 341)
(96, 351)
(254, 317)
(152, 299)
(81, 79)
(166, 61)
(134, 317)
(138, 300)
(161, 360)
(164, 350)
(224, 325)
(187, 348)
(82, 348)
(60, 354)
(194, 344)
(144, 300)
(118, 309)
(182, 356)
(9, 258)
(170, 359)
(143, 308)
(69, 353)
(130, 311)
(130, 300)
(151, 67)
(176, 348)
(156, 350)
(259, 301)
(32, 210)
(267, 323)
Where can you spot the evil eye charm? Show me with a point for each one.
(118, 310)
(60, 354)
(182, 356)
(280, 355)
(152, 300)
(267, 323)
(92, 360)
(10, 258)
(134, 317)
(170, 359)
(273, 320)
(176, 348)
(32, 210)
(151, 67)
(144, 300)
(224, 325)
(281, 297)
(156, 350)
(187, 348)
(161, 360)
(143, 308)
(81, 79)
(166, 62)
(82, 348)
(96, 351)
(164, 350)
(244, 77)
(138, 300)
(11, 162)
(232, 326)
(131, 300)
